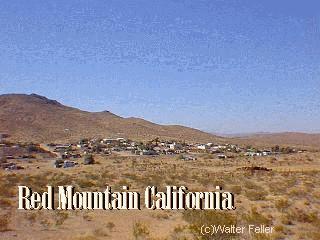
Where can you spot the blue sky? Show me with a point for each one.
(221, 66)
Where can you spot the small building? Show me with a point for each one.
(175, 146)
(222, 156)
(58, 163)
(148, 152)
(67, 164)
(188, 158)
(62, 148)
(202, 147)
(266, 153)
(209, 144)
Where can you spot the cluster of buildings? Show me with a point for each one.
(67, 153)
(155, 147)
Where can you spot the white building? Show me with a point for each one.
(175, 146)
(202, 147)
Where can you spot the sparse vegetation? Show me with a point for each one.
(4, 222)
(140, 230)
(285, 198)
(110, 226)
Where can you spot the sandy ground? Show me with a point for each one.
(293, 178)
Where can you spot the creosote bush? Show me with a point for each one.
(4, 223)
(140, 230)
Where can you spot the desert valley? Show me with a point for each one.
(274, 177)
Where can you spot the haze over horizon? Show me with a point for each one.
(219, 66)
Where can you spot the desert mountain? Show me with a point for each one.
(38, 119)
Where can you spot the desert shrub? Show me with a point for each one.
(85, 183)
(282, 204)
(110, 226)
(140, 230)
(290, 181)
(254, 217)
(92, 176)
(4, 222)
(297, 192)
(236, 189)
(180, 157)
(108, 175)
(61, 217)
(5, 203)
(220, 182)
(131, 176)
(11, 179)
(153, 179)
(87, 217)
(179, 233)
(255, 195)
(59, 179)
(99, 232)
(313, 235)
(204, 181)
(280, 229)
(304, 217)
(277, 189)
(45, 223)
(38, 182)
(85, 237)
(124, 182)
(6, 189)
(161, 215)
(31, 217)
(286, 220)
(250, 185)
(308, 158)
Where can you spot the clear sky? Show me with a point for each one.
(225, 66)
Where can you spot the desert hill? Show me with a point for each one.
(283, 138)
(38, 119)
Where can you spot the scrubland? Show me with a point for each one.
(287, 198)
